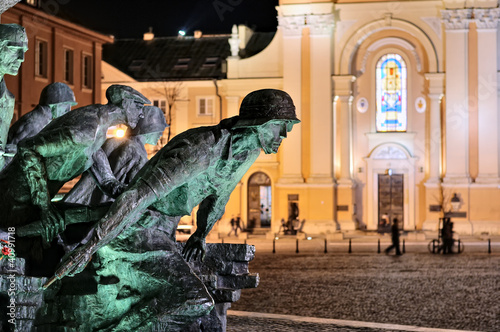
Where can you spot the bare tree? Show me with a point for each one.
(171, 92)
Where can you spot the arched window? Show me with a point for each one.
(391, 93)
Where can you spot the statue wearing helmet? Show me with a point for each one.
(64, 149)
(200, 166)
(56, 99)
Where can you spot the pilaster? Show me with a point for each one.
(486, 22)
(321, 147)
(436, 91)
(291, 149)
(456, 22)
(345, 202)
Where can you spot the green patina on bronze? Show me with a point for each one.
(137, 276)
(13, 45)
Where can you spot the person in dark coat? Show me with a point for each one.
(394, 237)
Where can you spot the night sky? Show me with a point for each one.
(130, 19)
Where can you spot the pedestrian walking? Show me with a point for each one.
(233, 227)
(394, 237)
(237, 225)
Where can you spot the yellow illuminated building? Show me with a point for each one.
(399, 109)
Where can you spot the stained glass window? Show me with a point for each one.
(391, 93)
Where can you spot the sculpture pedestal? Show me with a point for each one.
(97, 300)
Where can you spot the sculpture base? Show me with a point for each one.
(118, 294)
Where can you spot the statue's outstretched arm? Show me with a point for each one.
(33, 167)
(32, 152)
(103, 175)
(211, 209)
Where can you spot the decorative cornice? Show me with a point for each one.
(321, 24)
(456, 19)
(292, 25)
(486, 18)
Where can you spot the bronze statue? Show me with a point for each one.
(64, 149)
(126, 156)
(56, 99)
(200, 166)
(13, 45)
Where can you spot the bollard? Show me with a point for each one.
(245, 242)
(222, 240)
(378, 250)
(404, 247)
(489, 246)
(350, 247)
(274, 246)
(326, 246)
(458, 250)
(297, 246)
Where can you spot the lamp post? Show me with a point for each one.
(455, 203)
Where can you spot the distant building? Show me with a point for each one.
(59, 51)
(398, 102)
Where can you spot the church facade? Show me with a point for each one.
(399, 109)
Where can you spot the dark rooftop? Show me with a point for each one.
(178, 58)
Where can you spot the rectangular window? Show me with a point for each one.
(205, 106)
(87, 71)
(161, 103)
(41, 58)
(68, 66)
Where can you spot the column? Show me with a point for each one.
(345, 202)
(436, 90)
(343, 94)
(291, 148)
(456, 22)
(487, 22)
(321, 165)
(433, 184)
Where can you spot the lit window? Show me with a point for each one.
(87, 71)
(68, 66)
(161, 104)
(33, 3)
(41, 61)
(205, 106)
(391, 94)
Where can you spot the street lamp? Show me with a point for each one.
(455, 203)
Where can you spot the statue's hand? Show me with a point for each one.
(52, 222)
(114, 188)
(194, 246)
(72, 264)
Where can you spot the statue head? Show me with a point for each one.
(59, 97)
(13, 45)
(272, 113)
(128, 99)
(151, 126)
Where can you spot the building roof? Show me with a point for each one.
(170, 58)
(178, 58)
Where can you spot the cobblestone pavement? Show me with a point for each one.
(418, 289)
(246, 324)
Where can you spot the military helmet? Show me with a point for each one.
(261, 106)
(153, 122)
(116, 93)
(13, 33)
(56, 93)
